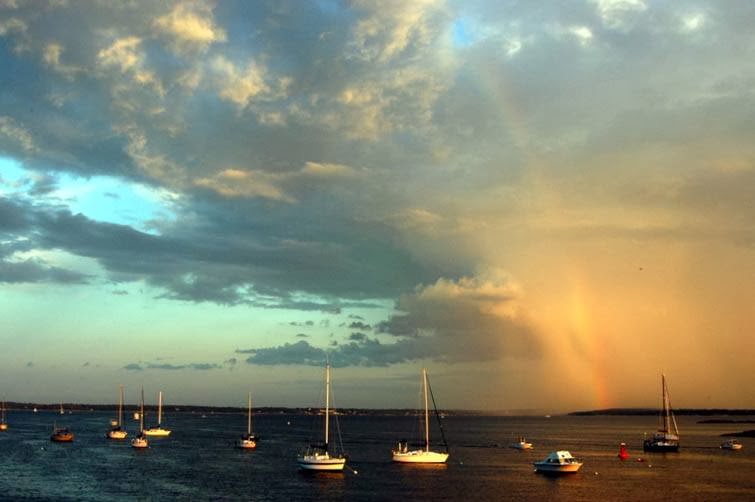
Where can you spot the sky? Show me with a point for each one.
(547, 204)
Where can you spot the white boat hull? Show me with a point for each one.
(321, 463)
(246, 444)
(159, 432)
(563, 468)
(117, 434)
(140, 442)
(420, 457)
(521, 446)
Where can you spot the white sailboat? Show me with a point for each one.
(248, 441)
(3, 423)
(62, 412)
(116, 430)
(140, 441)
(421, 455)
(158, 430)
(666, 438)
(318, 457)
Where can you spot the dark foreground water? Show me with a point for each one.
(198, 462)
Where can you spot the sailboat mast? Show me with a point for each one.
(666, 411)
(159, 408)
(120, 407)
(249, 416)
(141, 413)
(427, 418)
(327, 402)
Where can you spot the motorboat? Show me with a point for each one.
(731, 444)
(558, 462)
(521, 444)
(666, 438)
(319, 456)
(422, 454)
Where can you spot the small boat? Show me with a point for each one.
(62, 412)
(140, 441)
(3, 423)
(558, 462)
(158, 430)
(731, 444)
(116, 428)
(61, 434)
(666, 438)
(623, 453)
(521, 444)
(319, 456)
(422, 455)
(248, 441)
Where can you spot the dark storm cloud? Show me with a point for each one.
(171, 367)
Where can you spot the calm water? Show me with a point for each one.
(198, 462)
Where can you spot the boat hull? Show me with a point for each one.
(521, 446)
(557, 469)
(419, 457)
(116, 434)
(660, 447)
(321, 463)
(139, 443)
(3, 427)
(158, 432)
(246, 444)
(62, 438)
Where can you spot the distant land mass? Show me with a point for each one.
(654, 411)
(264, 410)
(743, 434)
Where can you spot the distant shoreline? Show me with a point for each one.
(678, 412)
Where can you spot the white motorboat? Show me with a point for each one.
(116, 426)
(666, 438)
(558, 462)
(158, 429)
(247, 441)
(521, 444)
(423, 455)
(318, 456)
(731, 444)
(140, 441)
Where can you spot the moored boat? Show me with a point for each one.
(320, 456)
(116, 428)
(61, 434)
(521, 444)
(140, 441)
(557, 462)
(3, 423)
(731, 444)
(666, 438)
(423, 454)
(248, 441)
(157, 430)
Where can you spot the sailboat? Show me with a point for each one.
(157, 431)
(248, 441)
(319, 457)
(3, 423)
(422, 455)
(666, 438)
(62, 412)
(140, 441)
(116, 430)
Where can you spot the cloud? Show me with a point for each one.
(434, 324)
(171, 367)
(189, 28)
